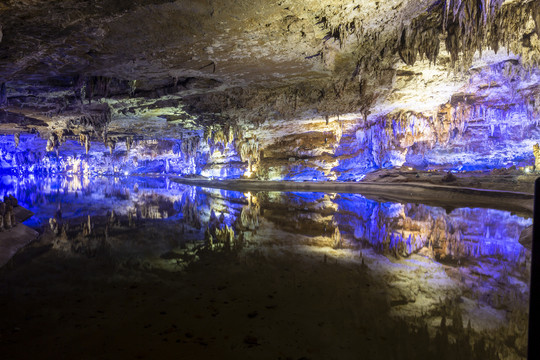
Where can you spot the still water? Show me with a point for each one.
(449, 280)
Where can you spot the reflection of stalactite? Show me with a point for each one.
(112, 219)
(53, 225)
(208, 238)
(83, 239)
(225, 236)
(402, 232)
(190, 211)
(218, 233)
(249, 218)
(55, 140)
(87, 227)
(336, 238)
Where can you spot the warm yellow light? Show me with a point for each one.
(250, 171)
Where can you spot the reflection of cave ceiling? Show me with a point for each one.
(156, 68)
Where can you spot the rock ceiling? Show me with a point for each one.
(162, 69)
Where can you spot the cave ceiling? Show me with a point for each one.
(160, 68)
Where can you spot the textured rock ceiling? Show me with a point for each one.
(260, 69)
(339, 47)
(233, 42)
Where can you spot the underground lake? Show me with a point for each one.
(150, 268)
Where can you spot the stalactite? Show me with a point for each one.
(52, 143)
(97, 85)
(132, 87)
(190, 146)
(3, 94)
(249, 151)
(129, 142)
(420, 39)
(111, 144)
(94, 117)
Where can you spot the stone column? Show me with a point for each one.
(536, 152)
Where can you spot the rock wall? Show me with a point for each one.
(484, 119)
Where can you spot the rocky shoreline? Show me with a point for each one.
(13, 234)
(442, 194)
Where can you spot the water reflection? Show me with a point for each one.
(351, 220)
(467, 262)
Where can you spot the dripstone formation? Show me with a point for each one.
(277, 90)
(7, 217)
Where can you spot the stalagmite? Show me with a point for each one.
(536, 152)
(86, 144)
(7, 219)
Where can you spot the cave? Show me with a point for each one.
(277, 179)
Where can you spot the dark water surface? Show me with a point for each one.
(260, 275)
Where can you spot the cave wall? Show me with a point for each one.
(449, 85)
(488, 121)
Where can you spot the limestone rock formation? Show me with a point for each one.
(273, 90)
